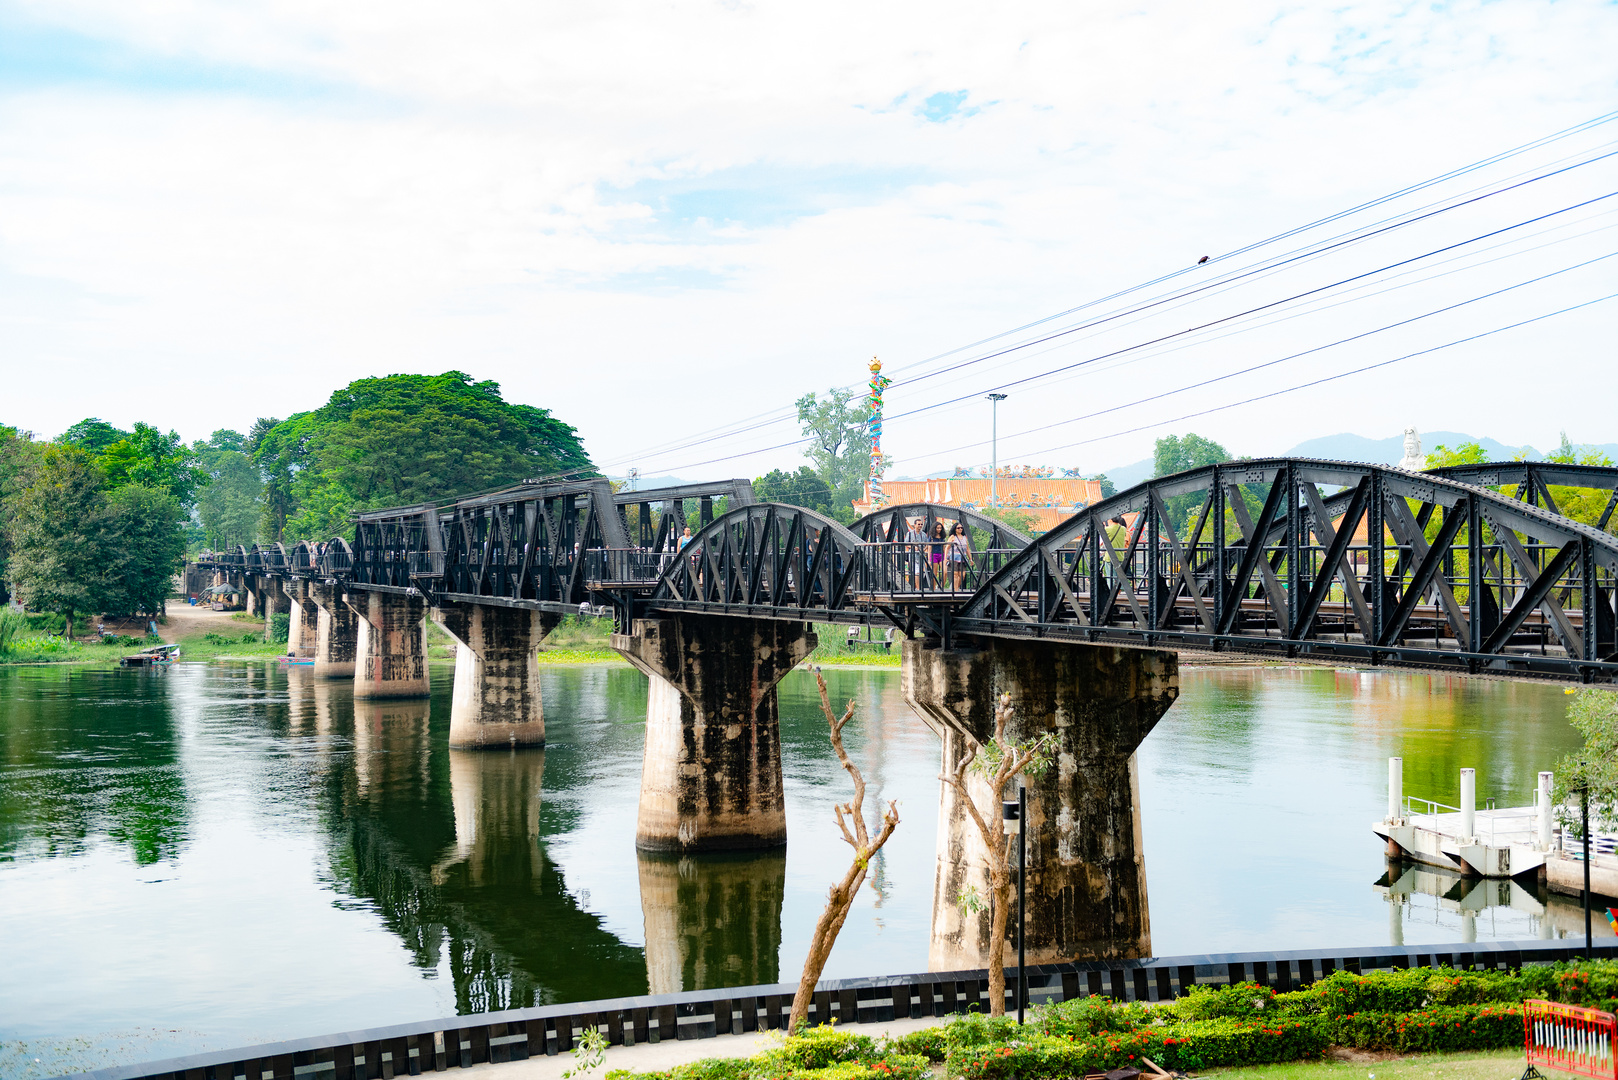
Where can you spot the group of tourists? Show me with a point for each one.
(938, 557)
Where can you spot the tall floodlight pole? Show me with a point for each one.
(994, 448)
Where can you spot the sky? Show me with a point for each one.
(667, 221)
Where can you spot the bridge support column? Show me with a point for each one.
(274, 602)
(336, 631)
(711, 776)
(304, 628)
(1086, 866)
(250, 602)
(390, 652)
(497, 700)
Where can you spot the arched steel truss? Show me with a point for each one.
(765, 559)
(1392, 566)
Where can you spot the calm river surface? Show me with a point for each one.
(231, 853)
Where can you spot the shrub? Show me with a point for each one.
(1226, 1040)
(1441, 1028)
(280, 627)
(1343, 992)
(1089, 1016)
(1047, 1057)
(1236, 1000)
(1591, 983)
(817, 1047)
(928, 1043)
(706, 1069)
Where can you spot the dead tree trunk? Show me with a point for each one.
(841, 897)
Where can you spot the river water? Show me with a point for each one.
(221, 854)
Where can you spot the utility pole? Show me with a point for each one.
(994, 448)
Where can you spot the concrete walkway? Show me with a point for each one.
(654, 1057)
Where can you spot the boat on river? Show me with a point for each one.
(152, 657)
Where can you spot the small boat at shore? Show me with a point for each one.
(298, 661)
(152, 657)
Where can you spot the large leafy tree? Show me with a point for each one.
(149, 457)
(144, 546)
(18, 453)
(839, 445)
(229, 506)
(92, 435)
(404, 439)
(59, 534)
(1177, 453)
(803, 488)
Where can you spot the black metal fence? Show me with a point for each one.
(931, 569)
(614, 568)
(518, 1034)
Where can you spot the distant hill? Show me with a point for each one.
(1389, 451)
(1350, 447)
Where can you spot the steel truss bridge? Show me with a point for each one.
(1472, 569)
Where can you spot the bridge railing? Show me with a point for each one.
(613, 568)
(334, 561)
(924, 569)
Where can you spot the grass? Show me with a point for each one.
(1470, 1065)
(580, 656)
(866, 659)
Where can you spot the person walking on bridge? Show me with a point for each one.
(940, 541)
(915, 553)
(960, 554)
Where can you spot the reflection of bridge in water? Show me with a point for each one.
(1286, 558)
(447, 846)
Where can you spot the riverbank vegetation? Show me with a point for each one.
(1420, 1011)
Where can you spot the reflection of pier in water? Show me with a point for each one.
(1421, 895)
(712, 920)
(445, 845)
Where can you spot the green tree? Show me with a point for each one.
(1108, 488)
(803, 488)
(1594, 714)
(149, 457)
(1464, 454)
(145, 547)
(1580, 504)
(839, 445)
(403, 439)
(1173, 453)
(18, 452)
(58, 535)
(230, 506)
(92, 435)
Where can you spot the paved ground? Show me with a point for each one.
(650, 1057)
(186, 621)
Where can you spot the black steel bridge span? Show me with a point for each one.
(1472, 569)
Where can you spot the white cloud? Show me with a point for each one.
(248, 205)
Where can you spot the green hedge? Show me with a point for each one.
(1441, 1028)
(1422, 1010)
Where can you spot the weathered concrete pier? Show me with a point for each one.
(390, 653)
(496, 700)
(712, 774)
(1087, 866)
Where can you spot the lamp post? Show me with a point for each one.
(994, 448)
(1015, 816)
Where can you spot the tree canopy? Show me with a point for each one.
(803, 488)
(839, 445)
(400, 440)
(1176, 453)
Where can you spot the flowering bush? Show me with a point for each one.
(1443, 1027)
(1201, 1044)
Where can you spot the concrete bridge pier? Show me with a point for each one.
(274, 602)
(336, 631)
(1086, 866)
(250, 602)
(304, 627)
(497, 701)
(711, 777)
(390, 653)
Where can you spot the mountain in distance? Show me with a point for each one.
(1350, 447)
(1390, 451)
